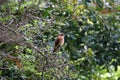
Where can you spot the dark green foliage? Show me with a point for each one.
(92, 40)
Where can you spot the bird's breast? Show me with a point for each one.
(62, 42)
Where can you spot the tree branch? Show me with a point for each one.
(4, 68)
(25, 40)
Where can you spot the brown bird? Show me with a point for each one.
(58, 42)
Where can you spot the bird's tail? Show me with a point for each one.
(55, 49)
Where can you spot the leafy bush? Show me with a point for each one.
(92, 40)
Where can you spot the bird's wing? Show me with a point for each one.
(57, 42)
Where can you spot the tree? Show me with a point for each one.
(92, 40)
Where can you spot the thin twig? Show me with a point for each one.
(43, 69)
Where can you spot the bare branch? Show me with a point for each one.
(4, 68)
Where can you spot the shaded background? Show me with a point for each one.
(28, 29)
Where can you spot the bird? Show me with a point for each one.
(58, 42)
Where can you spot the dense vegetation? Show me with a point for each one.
(28, 29)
